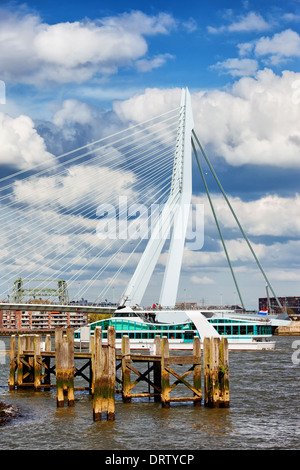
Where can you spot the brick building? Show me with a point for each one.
(291, 304)
(28, 320)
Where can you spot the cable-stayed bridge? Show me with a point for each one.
(106, 207)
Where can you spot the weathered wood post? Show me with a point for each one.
(21, 349)
(64, 357)
(12, 362)
(126, 376)
(111, 345)
(59, 367)
(47, 361)
(97, 374)
(37, 362)
(165, 379)
(197, 369)
(92, 363)
(70, 366)
(30, 358)
(211, 357)
(157, 368)
(104, 375)
(224, 374)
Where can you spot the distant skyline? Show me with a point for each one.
(75, 71)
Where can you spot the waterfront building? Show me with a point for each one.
(290, 304)
(31, 320)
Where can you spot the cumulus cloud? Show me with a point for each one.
(21, 145)
(35, 52)
(254, 122)
(237, 67)
(252, 21)
(281, 46)
(258, 217)
(151, 103)
(80, 186)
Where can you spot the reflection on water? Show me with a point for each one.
(263, 414)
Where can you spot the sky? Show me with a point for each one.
(73, 72)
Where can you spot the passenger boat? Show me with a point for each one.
(244, 332)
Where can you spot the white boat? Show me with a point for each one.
(244, 332)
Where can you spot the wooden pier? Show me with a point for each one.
(107, 371)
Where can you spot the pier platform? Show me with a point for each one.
(104, 371)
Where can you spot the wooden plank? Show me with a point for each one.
(181, 379)
(181, 360)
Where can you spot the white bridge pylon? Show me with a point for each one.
(175, 213)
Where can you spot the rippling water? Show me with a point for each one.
(263, 413)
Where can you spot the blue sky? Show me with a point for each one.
(73, 71)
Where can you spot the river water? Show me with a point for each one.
(263, 413)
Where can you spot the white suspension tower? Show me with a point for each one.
(176, 213)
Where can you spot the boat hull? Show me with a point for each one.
(233, 345)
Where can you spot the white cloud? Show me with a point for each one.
(79, 186)
(204, 280)
(20, 144)
(35, 52)
(254, 122)
(145, 65)
(151, 103)
(75, 111)
(237, 67)
(256, 217)
(251, 22)
(280, 46)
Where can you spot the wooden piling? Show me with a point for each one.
(70, 366)
(157, 368)
(216, 377)
(47, 362)
(30, 359)
(197, 370)
(126, 374)
(104, 375)
(37, 362)
(20, 366)
(96, 386)
(111, 345)
(224, 374)
(211, 367)
(12, 363)
(64, 357)
(165, 379)
(60, 362)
